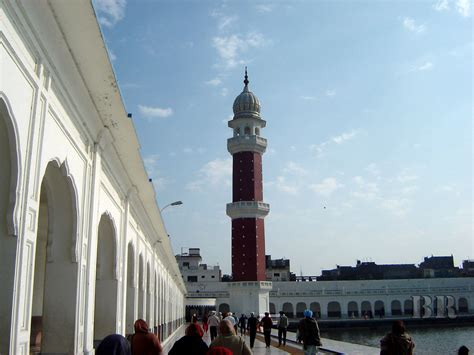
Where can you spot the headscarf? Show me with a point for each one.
(113, 344)
(308, 313)
(141, 326)
(194, 330)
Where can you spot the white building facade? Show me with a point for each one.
(349, 299)
(83, 248)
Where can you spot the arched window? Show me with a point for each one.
(379, 309)
(288, 309)
(237, 131)
(353, 310)
(272, 308)
(257, 131)
(247, 131)
(300, 308)
(396, 308)
(334, 310)
(463, 306)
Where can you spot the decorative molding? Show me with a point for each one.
(244, 143)
(247, 209)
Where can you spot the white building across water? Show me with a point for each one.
(83, 248)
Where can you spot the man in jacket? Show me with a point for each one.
(282, 326)
(309, 333)
(252, 325)
(267, 328)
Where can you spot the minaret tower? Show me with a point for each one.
(247, 209)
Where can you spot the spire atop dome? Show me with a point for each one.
(246, 81)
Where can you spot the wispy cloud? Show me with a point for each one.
(264, 7)
(214, 172)
(326, 187)
(230, 48)
(110, 12)
(224, 91)
(281, 184)
(151, 166)
(441, 5)
(405, 176)
(464, 7)
(112, 55)
(424, 66)
(294, 169)
(410, 25)
(309, 98)
(155, 112)
(214, 82)
(344, 137)
(331, 93)
(365, 190)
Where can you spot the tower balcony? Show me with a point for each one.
(246, 143)
(247, 209)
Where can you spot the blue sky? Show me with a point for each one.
(369, 121)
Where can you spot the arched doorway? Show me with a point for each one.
(272, 308)
(463, 306)
(315, 307)
(352, 310)
(149, 318)
(288, 309)
(300, 308)
(396, 308)
(408, 307)
(8, 186)
(141, 293)
(366, 309)
(334, 310)
(105, 314)
(379, 309)
(55, 276)
(131, 287)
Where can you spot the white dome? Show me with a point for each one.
(246, 104)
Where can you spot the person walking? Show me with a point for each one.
(144, 342)
(229, 340)
(213, 322)
(267, 324)
(282, 327)
(308, 331)
(191, 343)
(205, 326)
(397, 342)
(114, 344)
(242, 324)
(252, 325)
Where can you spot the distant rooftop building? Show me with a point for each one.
(434, 266)
(193, 271)
(278, 269)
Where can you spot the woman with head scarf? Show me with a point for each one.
(191, 343)
(114, 344)
(144, 342)
(397, 341)
(227, 339)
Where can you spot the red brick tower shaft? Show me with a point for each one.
(247, 209)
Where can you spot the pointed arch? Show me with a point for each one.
(56, 267)
(106, 286)
(10, 176)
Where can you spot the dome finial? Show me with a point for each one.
(246, 81)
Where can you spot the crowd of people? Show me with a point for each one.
(225, 338)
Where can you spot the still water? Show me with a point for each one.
(427, 340)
